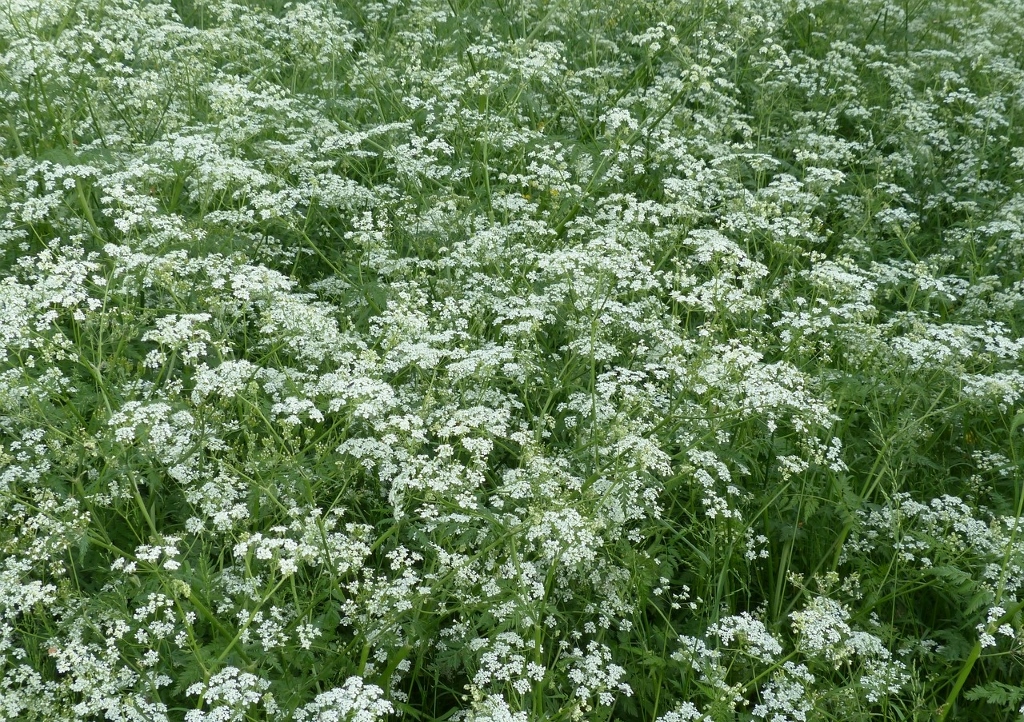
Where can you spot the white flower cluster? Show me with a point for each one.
(595, 676)
(230, 694)
(505, 660)
(354, 701)
(824, 640)
(944, 531)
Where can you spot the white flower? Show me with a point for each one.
(355, 701)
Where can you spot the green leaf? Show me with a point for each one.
(997, 693)
(957, 578)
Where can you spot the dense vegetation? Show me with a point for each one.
(646, 360)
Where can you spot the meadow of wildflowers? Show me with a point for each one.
(511, 360)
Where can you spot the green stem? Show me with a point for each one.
(248, 623)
